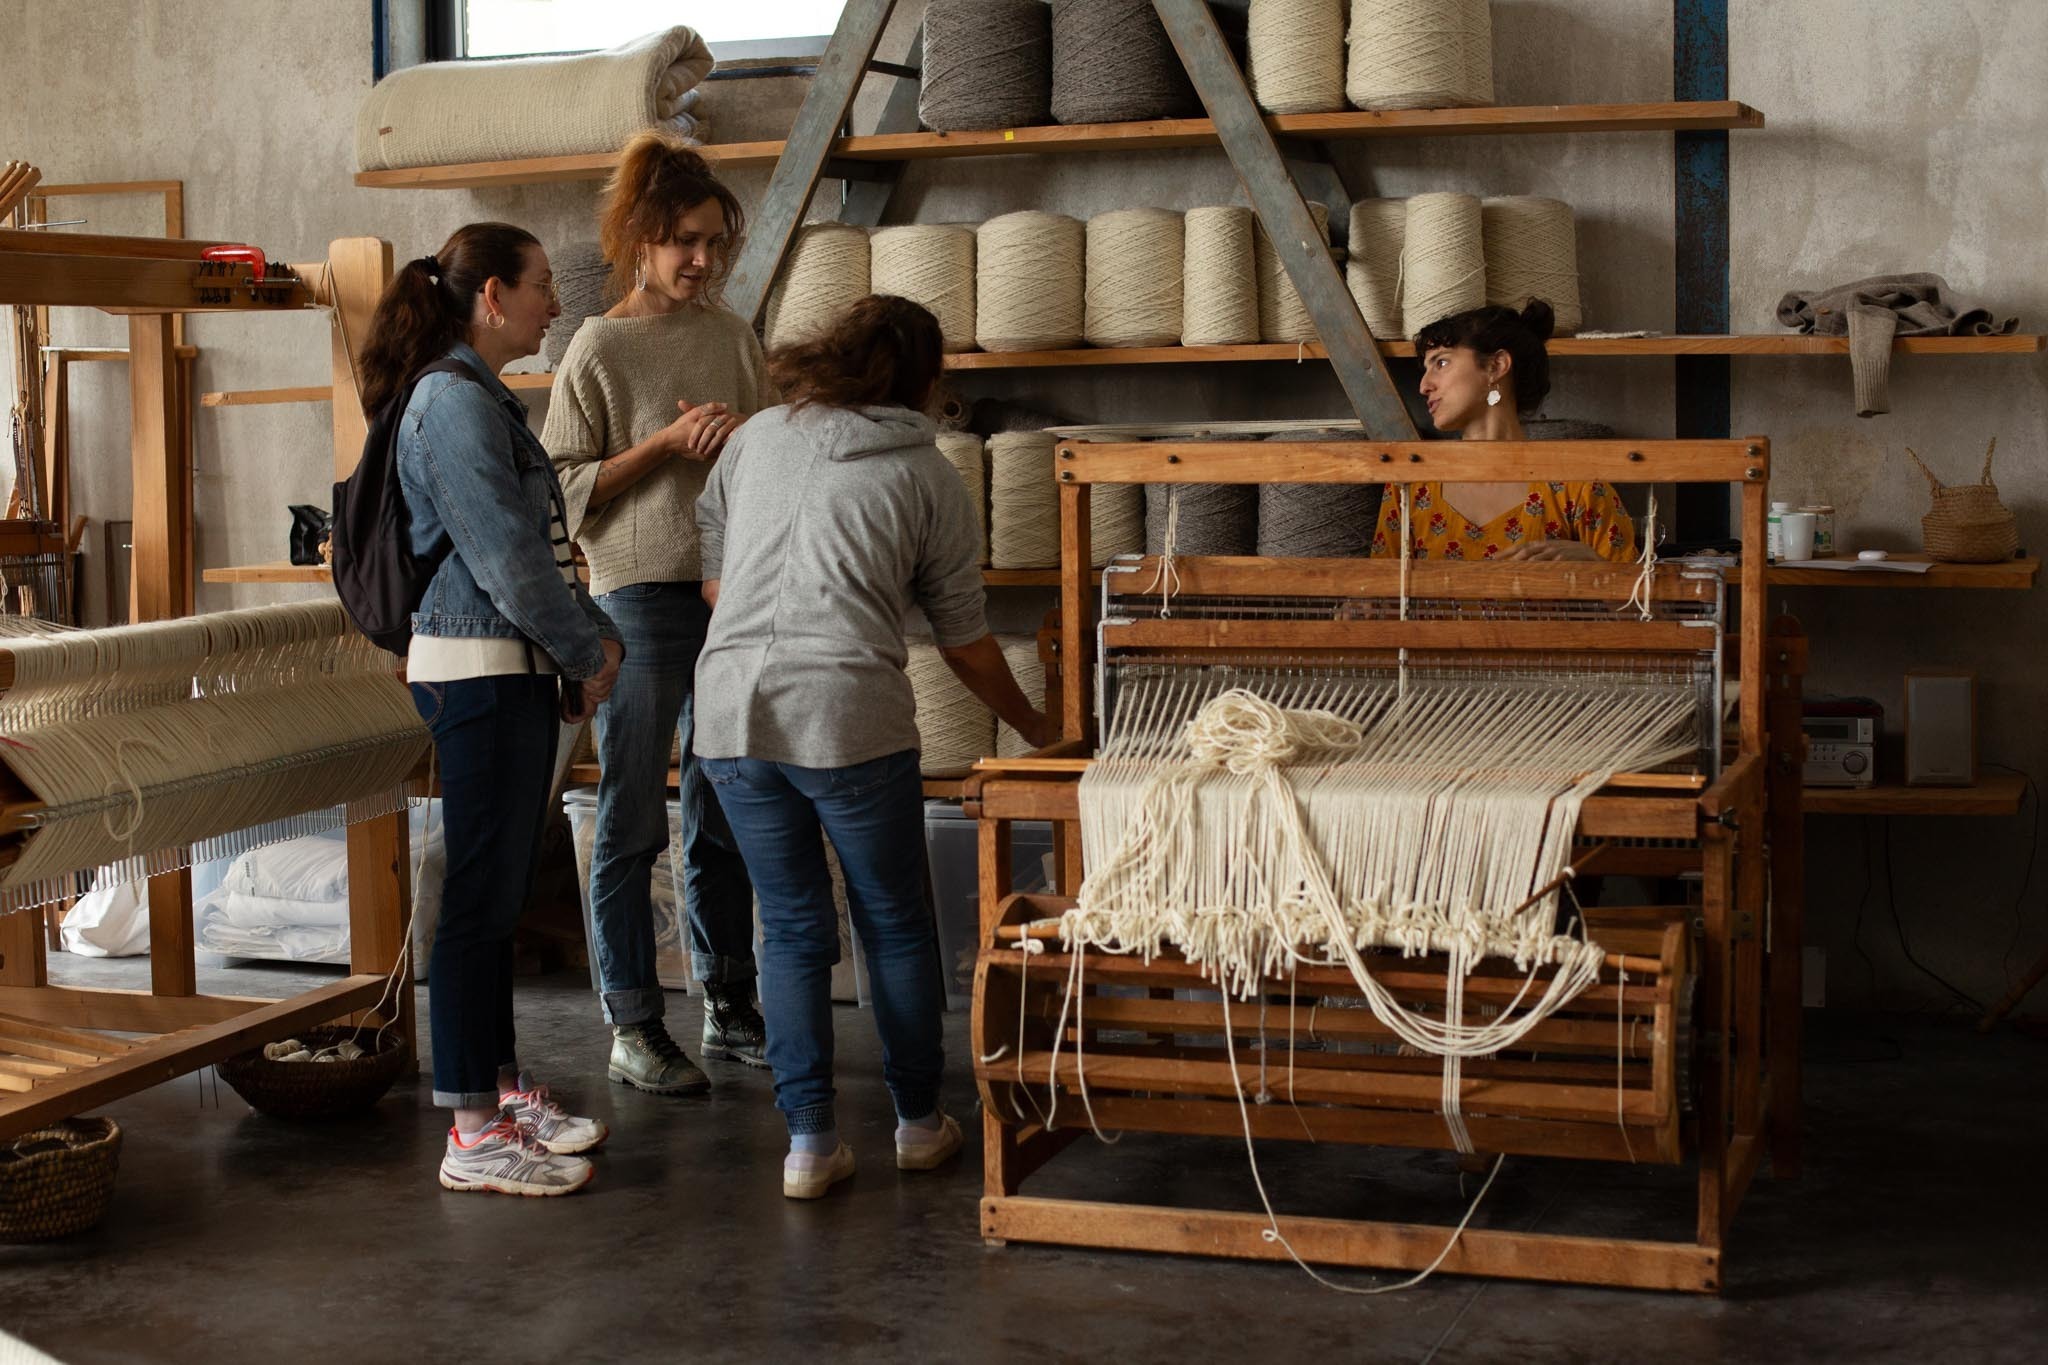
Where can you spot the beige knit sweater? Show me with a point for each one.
(618, 385)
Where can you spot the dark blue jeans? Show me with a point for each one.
(874, 814)
(663, 625)
(494, 751)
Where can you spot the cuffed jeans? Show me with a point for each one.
(663, 627)
(874, 814)
(494, 750)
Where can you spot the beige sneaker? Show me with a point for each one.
(808, 1176)
(924, 1149)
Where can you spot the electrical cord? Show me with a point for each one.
(1899, 925)
(2019, 897)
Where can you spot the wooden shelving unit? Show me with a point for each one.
(2012, 573)
(1993, 794)
(1154, 135)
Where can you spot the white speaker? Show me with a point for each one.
(1941, 729)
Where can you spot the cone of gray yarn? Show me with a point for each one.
(580, 273)
(987, 64)
(1113, 63)
(1215, 518)
(1314, 520)
(1565, 429)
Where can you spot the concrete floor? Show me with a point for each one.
(1915, 1234)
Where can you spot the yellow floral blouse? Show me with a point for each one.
(1590, 512)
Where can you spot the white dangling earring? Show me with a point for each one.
(1493, 397)
(640, 275)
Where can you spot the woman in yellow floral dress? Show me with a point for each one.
(1480, 370)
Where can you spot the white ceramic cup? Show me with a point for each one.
(1795, 535)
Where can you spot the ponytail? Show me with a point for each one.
(428, 305)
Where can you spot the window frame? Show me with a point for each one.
(446, 32)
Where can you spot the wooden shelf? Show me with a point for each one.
(2012, 573)
(1777, 344)
(1994, 794)
(268, 573)
(1153, 135)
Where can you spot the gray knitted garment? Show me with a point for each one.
(1874, 311)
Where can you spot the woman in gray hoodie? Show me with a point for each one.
(826, 520)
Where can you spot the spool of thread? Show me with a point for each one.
(1113, 63)
(950, 410)
(1023, 501)
(1532, 252)
(1133, 289)
(1294, 53)
(1282, 314)
(930, 264)
(953, 727)
(1443, 259)
(1028, 282)
(1420, 54)
(580, 273)
(1372, 271)
(987, 64)
(825, 273)
(1020, 652)
(1116, 521)
(963, 450)
(1317, 521)
(1215, 518)
(1220, 283)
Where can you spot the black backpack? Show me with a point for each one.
(378, 577)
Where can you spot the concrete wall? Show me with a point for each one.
(1902, 136)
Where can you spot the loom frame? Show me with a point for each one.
(1743, 937)
(61, 1049)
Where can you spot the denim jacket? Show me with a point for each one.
(479, 488)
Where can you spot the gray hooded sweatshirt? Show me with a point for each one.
(822, 527)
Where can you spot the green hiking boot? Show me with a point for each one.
(646, 1058)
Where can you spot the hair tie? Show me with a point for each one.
(431, 266)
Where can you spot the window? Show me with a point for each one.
(511, 28)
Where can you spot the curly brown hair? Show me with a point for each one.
(882, 350)
(659, 178)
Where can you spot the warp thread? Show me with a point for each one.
(1420, 54)
(1294, 53)
(1029, 293)
(1379, 230)
(825, 273)
(1443, 259)
(954, 728)
(1134, 278)
(1532, 253)
(963, 450)
(1113, 63)
(987, 64)
(1023, 501)
(931, 265)
(1220, 294)
(1282, 314)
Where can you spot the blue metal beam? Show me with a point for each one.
(1699, 71)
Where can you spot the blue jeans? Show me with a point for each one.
(663, 626)
(494, 750)
(874, 814)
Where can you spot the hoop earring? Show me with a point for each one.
(640, 275)
(494, 320)
(1493, 397)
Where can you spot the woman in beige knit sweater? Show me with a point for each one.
(643, 402)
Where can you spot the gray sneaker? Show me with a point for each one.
(733, 1028)
(504, 1160)
(646, 1058)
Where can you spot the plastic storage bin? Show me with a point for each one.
(952, 852)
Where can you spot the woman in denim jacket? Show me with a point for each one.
(506, 644)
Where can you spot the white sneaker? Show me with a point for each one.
(504, 1160)
(922, 1149)
(547, 1123)
(805, 1175)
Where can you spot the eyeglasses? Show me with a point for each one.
(554, 295)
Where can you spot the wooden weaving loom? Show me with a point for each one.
(1692, 1058)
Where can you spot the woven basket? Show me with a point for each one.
(316, 1090)
(1967, 524)
(58, 1180)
